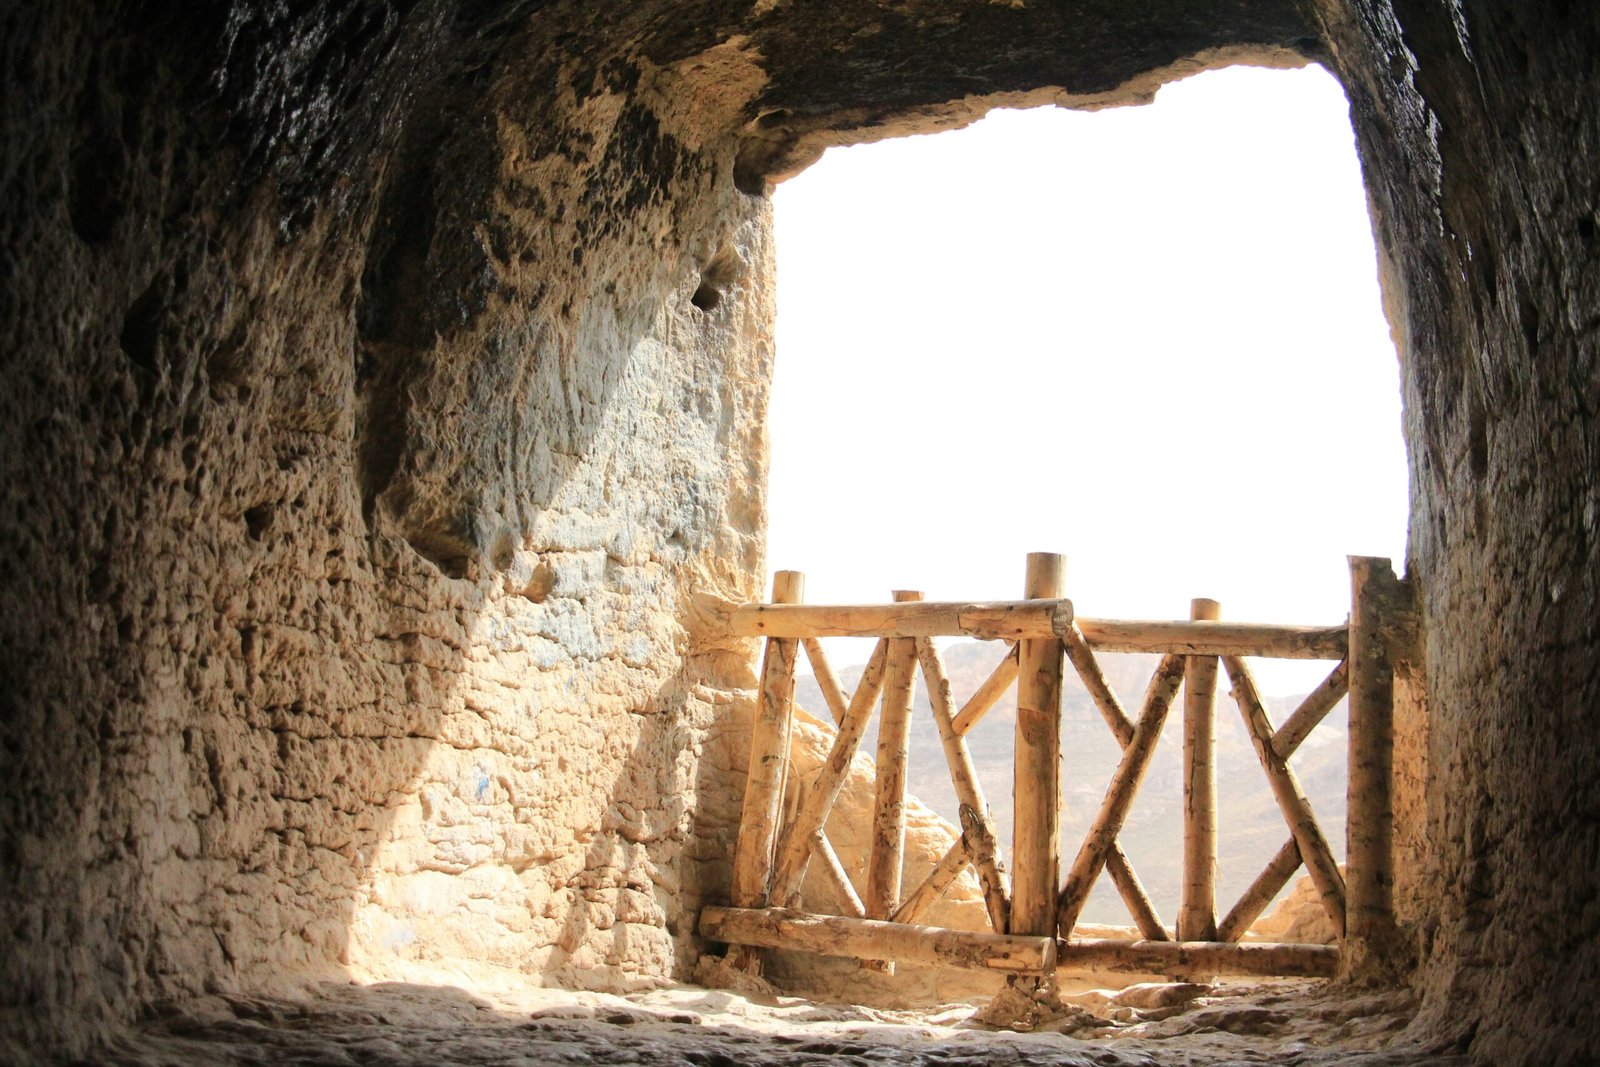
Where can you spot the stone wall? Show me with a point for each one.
(1478, 130)
(384, 381)
(369, 422)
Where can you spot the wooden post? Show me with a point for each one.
(1369, 834)
(769, 763)
(887, 860)
(1197, 914)
(1036, 841)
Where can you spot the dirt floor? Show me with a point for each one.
(393, 1024)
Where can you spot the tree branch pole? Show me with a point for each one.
(1291, 798)
(1260, 894)
(818, 799)
(886, 863)
(769, 766)
(1369, 827)
(835, 935)
(977, 824)
(1036, 844)
(1134, 896)
(827, 681)
(989, 693)
(1120, 792)
(1312, 710)
(1197, 913)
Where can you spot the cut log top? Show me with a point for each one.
(1032, 619)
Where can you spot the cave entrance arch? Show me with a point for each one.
(1291, 377)
(1130, 294)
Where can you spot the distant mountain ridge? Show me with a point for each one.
(1250, 827)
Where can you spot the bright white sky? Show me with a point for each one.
(1149, 338)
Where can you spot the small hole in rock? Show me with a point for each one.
(258, 520)
(141, 326)
(706, 298)
(720, 272)
(93, 205)
(1478, 444)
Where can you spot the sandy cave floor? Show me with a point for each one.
(395, 1024)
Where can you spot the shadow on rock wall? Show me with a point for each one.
(334, 556)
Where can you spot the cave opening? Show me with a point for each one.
(384, 438)
(1174, 309)
(1171, 309)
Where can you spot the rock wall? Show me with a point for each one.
(370, 418)
(384, 381)
(1478, 130)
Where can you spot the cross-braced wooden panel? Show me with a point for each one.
(804, 839)
(779, 842)
(1099, 851)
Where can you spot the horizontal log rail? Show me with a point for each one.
(1201, 957)
(1032, 619)
(1008, 620)
(881, 924)
(1191, 637)
(836, 935)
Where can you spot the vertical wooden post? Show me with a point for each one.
(1197, 913)
(1036, 840)
(887, 860)
(769, 764)
(1369, 825)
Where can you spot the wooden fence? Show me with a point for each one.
(1032, 911)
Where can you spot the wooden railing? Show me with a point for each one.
(1032, 913)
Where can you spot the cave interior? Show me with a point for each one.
(384, 396)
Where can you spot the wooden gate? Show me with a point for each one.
(1032, 912)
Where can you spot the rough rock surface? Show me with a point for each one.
(399, 1024)
(383, 382)
(1477, 127)
(361, 455)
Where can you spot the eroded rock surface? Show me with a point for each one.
(384, 382)
(398, 1024)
